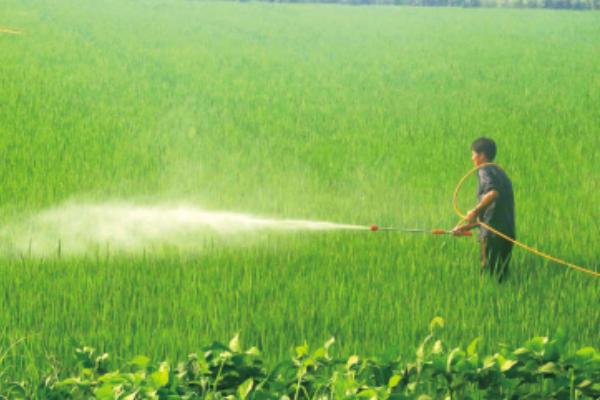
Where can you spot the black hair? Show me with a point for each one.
(486, 146)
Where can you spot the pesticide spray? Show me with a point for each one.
(77, 229)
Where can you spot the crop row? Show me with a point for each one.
(539, 369)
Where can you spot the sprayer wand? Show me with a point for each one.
(432, 231)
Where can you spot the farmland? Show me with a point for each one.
(348, 114)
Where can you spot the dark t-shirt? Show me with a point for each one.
(500, 214)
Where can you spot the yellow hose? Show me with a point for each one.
(9, 31)
(502, 235)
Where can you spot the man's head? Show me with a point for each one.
(483, 150)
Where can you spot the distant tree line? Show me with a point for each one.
(557, 4)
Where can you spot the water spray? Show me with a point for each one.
(79, 228)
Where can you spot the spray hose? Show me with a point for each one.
(10, 31)
(506, 237)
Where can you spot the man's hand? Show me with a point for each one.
(470, 220)
(459, 230)
(488, 198)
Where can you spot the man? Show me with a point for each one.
(496, 208)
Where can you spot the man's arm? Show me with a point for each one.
(470, 220)
(486, 200)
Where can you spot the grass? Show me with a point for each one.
(350, 114)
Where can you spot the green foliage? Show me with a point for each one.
(352, 114)
(557, 4)
(539, 369)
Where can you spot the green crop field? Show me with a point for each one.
(354, 115)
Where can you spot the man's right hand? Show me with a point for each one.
(460, 229)
(464, 227)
